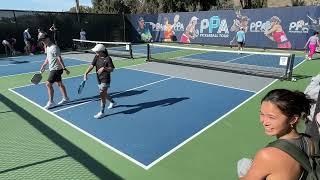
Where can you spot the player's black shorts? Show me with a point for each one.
(55, 76)
(241, 43)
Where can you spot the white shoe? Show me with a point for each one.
(111, 105)
(49, 105)
(99, 115)
(64, 101)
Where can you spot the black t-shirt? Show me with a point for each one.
(100, 62)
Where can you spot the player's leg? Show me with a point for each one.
(312, 48)
(61, 86)
(50, 90)
(109, 98)
(239, 46)
(49, 83)
(103, 97)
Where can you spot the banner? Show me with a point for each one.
(283, 28)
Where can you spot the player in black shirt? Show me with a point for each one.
(104, 66)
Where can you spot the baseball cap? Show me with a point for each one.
(98, 47)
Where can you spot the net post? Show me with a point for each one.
(290, 67)
(130, 50)
(148, 52)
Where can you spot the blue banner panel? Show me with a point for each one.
(283, 28)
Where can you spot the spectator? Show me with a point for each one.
(8, 44)
(313, 42)
(54, 31)
(27, 40)
(41, 34)
(241, 37)
(83, 34)
(280, 113)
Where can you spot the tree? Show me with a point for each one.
(249, 4)
(297, 2)
(82, 9)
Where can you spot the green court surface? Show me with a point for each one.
(37, 145)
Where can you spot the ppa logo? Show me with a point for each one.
(214, 24)
(260, 26)
(298, 27)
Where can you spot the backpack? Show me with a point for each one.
(310, 164)
(313, 120)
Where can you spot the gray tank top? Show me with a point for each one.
(304, 143)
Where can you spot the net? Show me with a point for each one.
(118, 49)
(275, 65)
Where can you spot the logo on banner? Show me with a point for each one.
(260, 26)
(214, 27)
(298, 27)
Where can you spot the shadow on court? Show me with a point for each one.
(97, 97)
(18, 62)
(71, 150)
(298, 76)
(4, 112)
(141, 106)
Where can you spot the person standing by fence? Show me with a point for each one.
(313, 42)
(54, 31)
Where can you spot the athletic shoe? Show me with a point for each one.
(64, 101)
(49, 105)
(111, 105)
(99, 115)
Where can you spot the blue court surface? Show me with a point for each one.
(248, 59)
(155, 114)
(26, 64)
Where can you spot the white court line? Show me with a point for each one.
(39, 68)
(33, 72)
(240, 58)
(21, 63)
(84, 132)
(220, 85)
(69, 77)
(115, 94)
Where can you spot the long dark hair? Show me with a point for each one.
(106, 52)
(290, 102)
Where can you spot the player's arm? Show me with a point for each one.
(93, 63)
(261, 166)
(59, 58)
(43, 66)
(85, 76)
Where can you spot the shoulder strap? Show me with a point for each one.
(293, 151)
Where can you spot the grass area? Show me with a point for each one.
(35, 145)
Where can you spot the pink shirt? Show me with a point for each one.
(313, 40)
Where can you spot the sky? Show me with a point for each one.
(42, 5)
